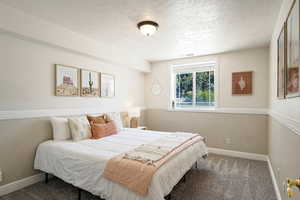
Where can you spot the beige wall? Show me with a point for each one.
(256, 60)
(27, 78)
(283, 142)
(19, 141)
(247, 132)
(284, 154)
(27, 83)
(289, 107)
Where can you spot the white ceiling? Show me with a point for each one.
(198, 27)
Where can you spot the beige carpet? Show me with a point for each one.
(219, 178)
(227, 178)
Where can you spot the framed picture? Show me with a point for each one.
(281, 63)
(67, 81)
(292, 73)
(107, 85)
(90, 82)
(242, 83)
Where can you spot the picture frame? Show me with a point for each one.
(242, 83)
(90, 83)
(66, 80)
(281, 63)
(107, 85)
(293, 53)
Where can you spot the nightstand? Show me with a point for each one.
(142, 128)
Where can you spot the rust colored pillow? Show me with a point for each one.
(103, 130)
(97, 120)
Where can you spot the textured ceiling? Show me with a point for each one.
(198, 27)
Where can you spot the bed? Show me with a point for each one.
(82, 163)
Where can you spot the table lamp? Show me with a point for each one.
(134, 116)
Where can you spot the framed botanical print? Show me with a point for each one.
(107, 85)
(281, 63)
(242, 83)
(293, 57)
(67, 81)
(90, 82)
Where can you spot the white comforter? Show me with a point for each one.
(82, 163)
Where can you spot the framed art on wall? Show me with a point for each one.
(107, 85)
(67, 81)
(242, 83)
(281, 63)
(293, 57)
(90, 82)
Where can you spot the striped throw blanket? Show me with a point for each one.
(135, 169)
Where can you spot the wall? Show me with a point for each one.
(244, 130)
(41, 30)
(284, 122)
(245, 60)
(27, 76)
(247, 132)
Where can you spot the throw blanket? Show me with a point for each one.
(136, 168)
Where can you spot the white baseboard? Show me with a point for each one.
(39, 113)
(251, 156)
(17, 185)
(254, 111)
(277, 191)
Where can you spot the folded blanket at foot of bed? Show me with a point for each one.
(135, 169)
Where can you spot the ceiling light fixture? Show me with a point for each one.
(148, 28)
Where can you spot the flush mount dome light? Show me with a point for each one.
(147, 28)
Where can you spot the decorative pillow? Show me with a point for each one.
(97, 119)
(61, 130)
(103, 130)
(116, 117)
(80, 128)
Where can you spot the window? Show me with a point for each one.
(193, 86)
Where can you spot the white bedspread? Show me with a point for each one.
(82, 163)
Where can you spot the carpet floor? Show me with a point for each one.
(218, 178)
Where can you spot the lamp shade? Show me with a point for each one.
(134, 112)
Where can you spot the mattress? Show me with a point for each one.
(82, 163)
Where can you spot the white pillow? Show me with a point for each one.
(116, 117)
(80, 128)
(61, 129)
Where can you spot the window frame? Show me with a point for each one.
(189, 69)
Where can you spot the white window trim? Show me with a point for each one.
(173, 83)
